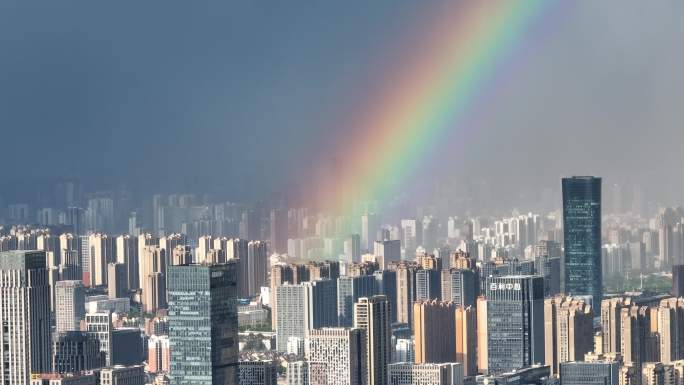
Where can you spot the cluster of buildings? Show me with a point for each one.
(514, 300)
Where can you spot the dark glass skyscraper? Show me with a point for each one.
(203, 324)
(581, 267)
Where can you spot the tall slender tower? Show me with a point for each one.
(203, 295)
(373, 315)
(25, 316)
(581, 267)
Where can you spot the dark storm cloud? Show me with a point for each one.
(234, 95)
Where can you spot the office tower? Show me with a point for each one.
(678, 280)
(388, 251)
(123, 375)
(459, 286)
(581, 273)
(386, 284)
(373, 316)
(75, 351)
(405, 373)
(568, 330)
(117, 281)
(513, 323)
(590, 373)
(427, 284)
(337, 356)
(158, 354)
(298, 373)
(127, 346)
(127, 253)
(434, 330)
(257, 257)
(349, 290)
(466, 339)
(657, 373)
(207, 295)
(100, 326)
(406, 291)
(258, 372)
(279, 233)
(25, 316)
(69, 305)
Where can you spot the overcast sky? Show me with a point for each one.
(235, 95)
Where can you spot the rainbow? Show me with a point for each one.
(427, 98)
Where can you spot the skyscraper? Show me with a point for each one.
(678, 280)
(337, 356)
(428, 284)
(25, 316)
(76, 351)
(581, 273)
(373, 315)
(117, 281)
(406, 291)
(69, 305)
(370, 223)
(279, 233)
(514, 319)
(203, 295)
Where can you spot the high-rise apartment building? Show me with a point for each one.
(427, 284)
(568, 330)
(581, 273)
(127, 253)
(69, 305)
(117, 280)
(386, 284)
(349, 290)
(512, 323)
(466, 339)
(460, 286)
(406, 291)
(25, 316)
(203, 295)
(373, 316)
(337, 356)
(257, 266)
(434, 330)
(388, 251)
